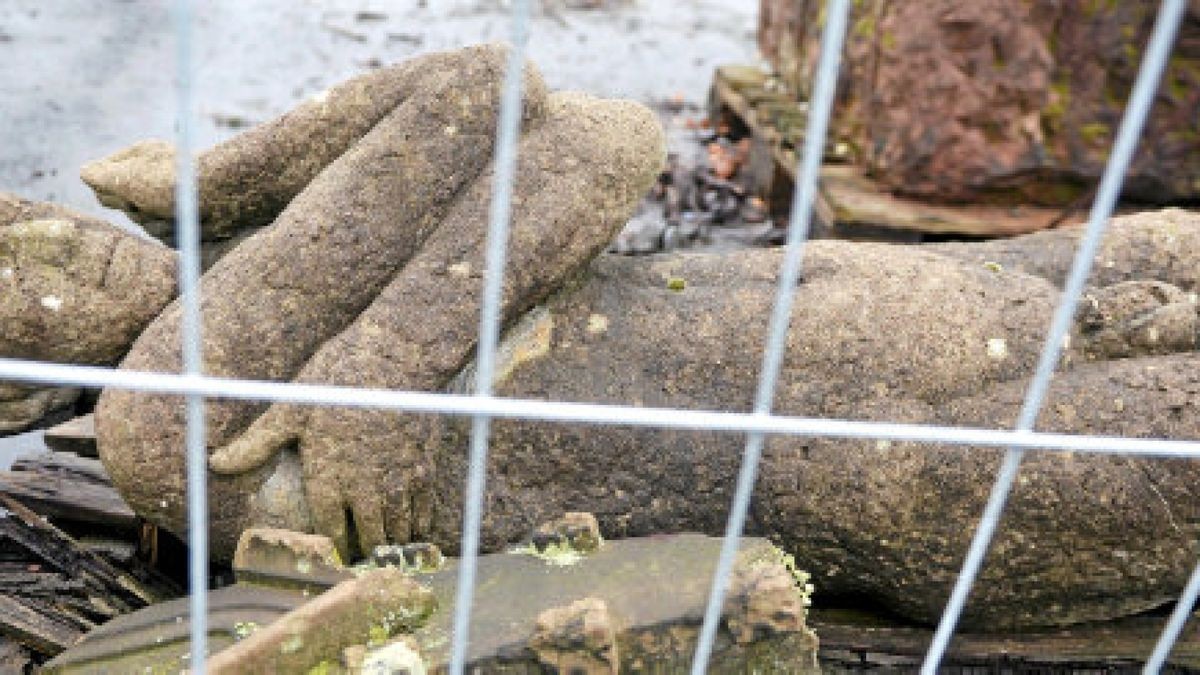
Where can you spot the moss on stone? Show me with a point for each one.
(378, 634)
(244, 629)
(557, 554)
(326, 667)
(888, 40)
(1095, 132)
(865, 26)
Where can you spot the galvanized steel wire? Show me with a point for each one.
(803, 196)
(757, 424)
(187, 238)
(507, 132)
(1136, 111)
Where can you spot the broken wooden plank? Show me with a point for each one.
(859, 200)
(76, 436)
(38, 584)
(35, 629)
(119, 553)
(69, 487)
(51, 545)
(14, 656)
(863, 641)
(54, 589)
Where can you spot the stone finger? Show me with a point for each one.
(259, 443)
(329, 515)
(366, 505)
(246, 181)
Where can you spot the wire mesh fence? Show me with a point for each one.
(757, 424)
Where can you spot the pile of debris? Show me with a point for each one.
(72, 554)
(705, 196)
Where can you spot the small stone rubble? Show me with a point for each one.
(705, 196)
(630, 606)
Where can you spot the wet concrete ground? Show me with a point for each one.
(82, 79)
(21, 445)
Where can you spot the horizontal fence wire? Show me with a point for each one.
(483, 406)
(1140, 101)
(584, 413)
(803, 194)
(507, 131)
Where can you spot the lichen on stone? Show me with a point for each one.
(556, 554)
(291, 645)
(397, 657)
(244, 629)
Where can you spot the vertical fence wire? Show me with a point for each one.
(1179, 617)
(799, 221)
(187, 239)
(1140, 101)
(507, 132)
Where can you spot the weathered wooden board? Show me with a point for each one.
(14, 656)
(857, 640)
(66, 486)
(34, 627)
(53, 589)
(76, 435)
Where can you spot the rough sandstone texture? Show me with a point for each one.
(1157, 245)
(943, 334)
(1000, 99)
(73, 289)
(583, 164)
(643, 601)
(580, 171)
(883, 333)
(270, 303)
(374, 607)
(580, 637)
(247, 181)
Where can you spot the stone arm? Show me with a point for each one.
(247, 181)
(580, 171)
(276, 298)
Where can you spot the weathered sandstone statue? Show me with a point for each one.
(391, 231)
(73, 289)
(371, 277)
